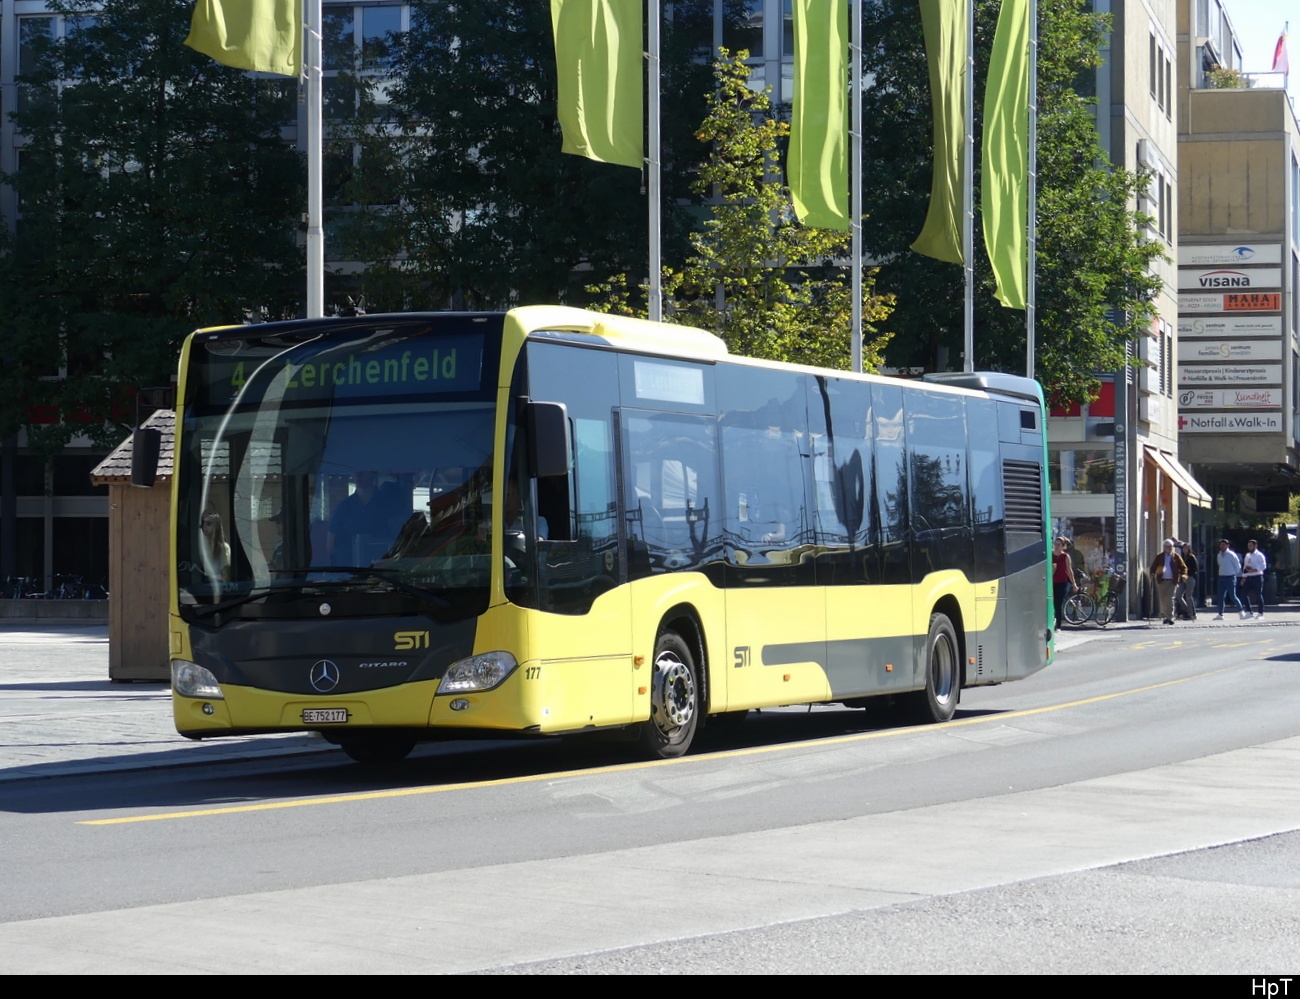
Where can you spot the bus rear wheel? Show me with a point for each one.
(938, 701)
(377, 749)
(674, 700)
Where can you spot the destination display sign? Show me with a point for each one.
(1231, 326)
(1230, 277)
(1229, 398)
(1230, 350)
(372, 366)
(1231, 254)
(1229, 374)
(1229, 423)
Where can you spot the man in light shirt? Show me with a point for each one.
(1229, 570)
(1252, 582)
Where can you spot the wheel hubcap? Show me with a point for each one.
(674, 694)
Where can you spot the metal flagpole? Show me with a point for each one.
(655, 291)
(315, 206)
(855, 181)
(1031, 237)
(968, 192)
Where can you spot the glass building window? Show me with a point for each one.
(1081, 471)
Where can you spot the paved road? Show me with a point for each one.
(61, 715)
(1132, 809)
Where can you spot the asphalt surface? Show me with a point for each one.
(1181, 863)
(61, 715)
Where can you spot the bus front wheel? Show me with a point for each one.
(674, 699)
(938, 701)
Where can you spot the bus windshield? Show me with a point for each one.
(352, 468)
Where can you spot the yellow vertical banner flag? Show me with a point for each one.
(261, 35)
(1004, 201)
(818, 163)
(598, 61)
(944, 22)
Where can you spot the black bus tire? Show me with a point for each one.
(674, 700)
(938, 701)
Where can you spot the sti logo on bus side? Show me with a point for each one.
(410, 640)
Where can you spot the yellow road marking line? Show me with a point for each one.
(620, 767)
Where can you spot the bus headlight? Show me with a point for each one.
(192, 680)
(481, 672)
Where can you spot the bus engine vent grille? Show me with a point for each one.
(1022, 485)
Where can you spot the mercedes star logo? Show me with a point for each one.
(325, 676)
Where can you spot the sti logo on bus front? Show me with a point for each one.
(410, 640)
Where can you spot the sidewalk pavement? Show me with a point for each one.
(61, 715)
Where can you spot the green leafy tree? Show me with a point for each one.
(1094, 281)
(156, 195)
(767, 285)
(487, 211)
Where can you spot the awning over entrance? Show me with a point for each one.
(1181, 477)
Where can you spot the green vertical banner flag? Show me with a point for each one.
(944, 22)
(598, 61)
(1005, 175)
(818, 164)
(261, 35)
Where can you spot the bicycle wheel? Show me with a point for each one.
(1079, 607)
(1106, 610)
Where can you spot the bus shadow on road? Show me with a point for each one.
(182, 779)
(98, 686)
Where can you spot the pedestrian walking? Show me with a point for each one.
(1253, 566)
(1229, 570)
(1186, 597)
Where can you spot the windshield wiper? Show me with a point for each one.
(207, 610)
(363, 572)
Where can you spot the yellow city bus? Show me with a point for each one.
(547, 522)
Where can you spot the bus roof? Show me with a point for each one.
(623, 331)
(665, 339)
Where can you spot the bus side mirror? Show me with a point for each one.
(548, 439)
(146, 445)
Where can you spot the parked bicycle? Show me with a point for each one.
(20, 588)
(1110, 590)
(1098, 597)
(67, 586)
(1079, 606)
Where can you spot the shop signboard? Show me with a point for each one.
(1242, 398)
(1229, 374)
(1229, 423)
(1217, 326)
(1231, 254)
(1230, 350)
(1229, 278)
(1241, 301)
